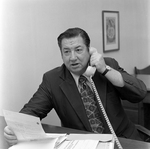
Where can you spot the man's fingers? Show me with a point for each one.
(9, 135)
(8, 130)
(11, 139)
(92, 50)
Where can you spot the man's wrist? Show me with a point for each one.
(108, 68)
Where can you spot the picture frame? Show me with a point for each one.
(110, 29)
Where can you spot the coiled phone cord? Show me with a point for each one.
(105, 115)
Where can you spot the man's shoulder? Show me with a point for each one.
(55, 71)
(109, 60)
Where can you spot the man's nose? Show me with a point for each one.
(73, 56)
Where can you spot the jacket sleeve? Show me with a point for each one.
(40, 104)
(134, 89)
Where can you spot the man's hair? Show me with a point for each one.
(74, 32)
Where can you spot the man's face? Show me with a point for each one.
(75, 54)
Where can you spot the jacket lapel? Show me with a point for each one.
(72, 94)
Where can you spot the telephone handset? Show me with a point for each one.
(89, 73)
(90, 70)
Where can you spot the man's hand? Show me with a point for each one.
(97, 60)
(10, 136)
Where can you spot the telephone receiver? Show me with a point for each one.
(90, 69)
(89, 73)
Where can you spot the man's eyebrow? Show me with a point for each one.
(78, 46)
(65, 48)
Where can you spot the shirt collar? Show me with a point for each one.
(76, 78)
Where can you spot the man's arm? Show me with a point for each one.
(129, 87)
(112, 75)
(40, 104)
(134, 90)
(115, 77)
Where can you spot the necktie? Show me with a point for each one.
(90, 106)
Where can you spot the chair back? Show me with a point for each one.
(145, 70)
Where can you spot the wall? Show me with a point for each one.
(28, 46)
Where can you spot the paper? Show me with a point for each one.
(27, 127)
(79, 144)
(88, 141)
(40, 144)
(102, 141)
(100, 137)
(106, 145)
(73, 141)
(30, 134)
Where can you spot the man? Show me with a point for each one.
(60, 89)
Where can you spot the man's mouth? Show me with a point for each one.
(75, 64)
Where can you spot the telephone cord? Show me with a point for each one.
(105, 115)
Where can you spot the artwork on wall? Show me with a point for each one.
(110, 24)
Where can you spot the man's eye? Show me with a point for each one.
(78, 50)
(66, 51)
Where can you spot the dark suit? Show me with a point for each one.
(58, 90)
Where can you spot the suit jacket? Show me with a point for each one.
(58, 90)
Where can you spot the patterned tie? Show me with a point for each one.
(90, 106)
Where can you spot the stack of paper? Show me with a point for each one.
(79, 144)
(73, 141)
(29, 131)
(99, 141)
(30, 134)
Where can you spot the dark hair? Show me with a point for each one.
(74, 32)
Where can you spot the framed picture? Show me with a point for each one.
(110, 24)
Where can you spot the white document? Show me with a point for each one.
(88, 141)
(94, 141)
(79, 144)
(30, 135)
(39, 144)
(28, 128)
(25, 127)
(74, 141)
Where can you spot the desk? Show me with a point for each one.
(146, 101)
(126, 143)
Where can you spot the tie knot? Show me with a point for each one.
(82, 79)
